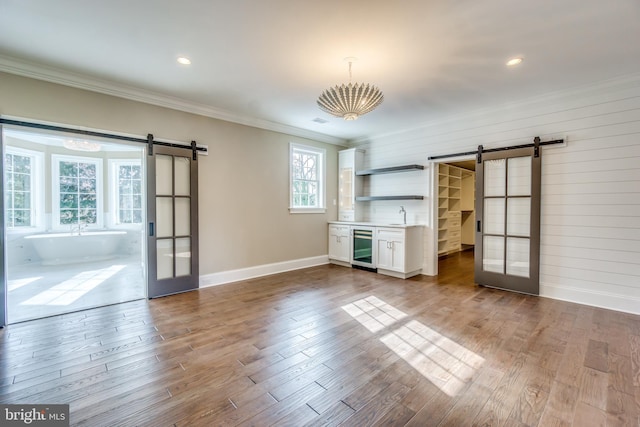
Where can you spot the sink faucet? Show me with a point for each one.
(79, 227)
(402, 211)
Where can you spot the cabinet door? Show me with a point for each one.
(346, 175)
(339, 243)
(397, 255)
(349, 185)
(390, 243)
(385, 258)
(345, 244)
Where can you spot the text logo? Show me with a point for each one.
(34, 415)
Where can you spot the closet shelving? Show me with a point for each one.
(455, 206)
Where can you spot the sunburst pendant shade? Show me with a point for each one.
(350, 101)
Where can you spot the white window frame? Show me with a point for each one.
(114, 192)
(55, 193)
(321, 173)
(37, 186)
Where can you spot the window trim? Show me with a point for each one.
(55, 193)
(322, 155)
(114, 193)
(37, 186)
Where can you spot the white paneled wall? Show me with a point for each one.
(590, 225)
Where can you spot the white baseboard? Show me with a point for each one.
(606, 300)
(229, 276)
(580, 296)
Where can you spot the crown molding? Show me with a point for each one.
(56, 75)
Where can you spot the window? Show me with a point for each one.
(307, 179)
(127, 193)
(22, 171)
(77, 191)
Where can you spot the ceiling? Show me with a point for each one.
(265, 63)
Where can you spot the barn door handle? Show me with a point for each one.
(478, 226)
(151, 229)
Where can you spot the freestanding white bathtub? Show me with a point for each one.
(68, 248)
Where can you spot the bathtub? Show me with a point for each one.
(68, 248)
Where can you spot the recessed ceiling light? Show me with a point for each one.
(184, 60)
(514, 61)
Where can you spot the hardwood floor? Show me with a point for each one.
(333, 346)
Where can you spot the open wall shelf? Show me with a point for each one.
(392, 169)
(371, 198)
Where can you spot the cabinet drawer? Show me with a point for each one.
(454, 244)
(346, 216)
(454, 234)
(454, 222)
(396, 234)
(454, 214)
(340, 230)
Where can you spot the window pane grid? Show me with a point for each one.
(18, 192)
(129, 194)
(305, 179)
(78, 189)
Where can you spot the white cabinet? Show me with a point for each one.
(339, 244)
(400, 251)
(349, 185)
(390, 244)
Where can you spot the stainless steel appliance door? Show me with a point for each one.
(364, 251)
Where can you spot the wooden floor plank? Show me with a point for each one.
(597, 356)
(561, 404)
(291, 350)
(333, 416)
(381, 404)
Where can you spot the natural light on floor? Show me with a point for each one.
(70, 290)
(12, 285)
(445, 363)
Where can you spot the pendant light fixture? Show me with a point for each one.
(352, 100)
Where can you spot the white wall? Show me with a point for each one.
(590, 225)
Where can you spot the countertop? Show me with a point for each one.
(376, 224)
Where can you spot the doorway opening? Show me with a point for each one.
(74, 223)
(456, 213)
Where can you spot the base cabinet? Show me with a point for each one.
(391, 253)
(340, 244)
(400, 251)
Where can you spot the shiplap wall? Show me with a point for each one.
(590, 225)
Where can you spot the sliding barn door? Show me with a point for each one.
(3, 267)
(172, 212)
(507, 254)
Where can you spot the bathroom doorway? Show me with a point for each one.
(74, 216)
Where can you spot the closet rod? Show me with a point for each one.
(96, 134)
(490, 150)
